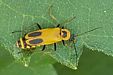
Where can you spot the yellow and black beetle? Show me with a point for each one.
(43, 37)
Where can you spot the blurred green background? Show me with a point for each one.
(91, 63)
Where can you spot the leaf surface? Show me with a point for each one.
(21, 15)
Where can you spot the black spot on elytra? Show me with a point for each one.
(34, 34)
(35, 41)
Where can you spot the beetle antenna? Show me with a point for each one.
(68, 20)
(74, 42)
(75, 53)
(16, 31)
(87, 32)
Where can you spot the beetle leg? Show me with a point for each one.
(50, 13)
(43, 48)
(55, 46)
(62, 27)
(63, 42)
(76, 53)
(27, 51)
(23, 30)
(68, 20)
(16, 31)
(58, 25)
(39, 26)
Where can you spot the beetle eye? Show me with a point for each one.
(64, 34)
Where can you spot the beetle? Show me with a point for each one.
(43, 37)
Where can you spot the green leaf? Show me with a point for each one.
(21, 15)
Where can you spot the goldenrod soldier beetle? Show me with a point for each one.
(47, 36)
(43, 37)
